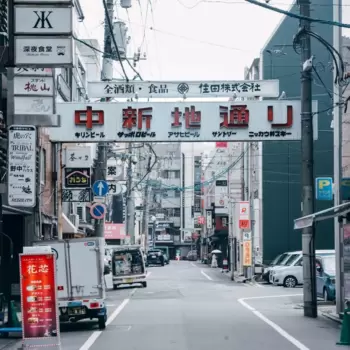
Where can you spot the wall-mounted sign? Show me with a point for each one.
(164, 89)
(22, 166)
(21, 71)
(324, 188)
(180, 122)
(77, 178)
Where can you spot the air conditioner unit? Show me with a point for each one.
(81, 211)
(74, 218)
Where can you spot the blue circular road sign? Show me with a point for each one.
(98, 211)
(100, 188)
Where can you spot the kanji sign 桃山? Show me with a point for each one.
(180, 122)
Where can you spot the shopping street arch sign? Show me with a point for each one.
(273, 120)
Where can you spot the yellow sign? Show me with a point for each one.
(323, 183)
(247, 253)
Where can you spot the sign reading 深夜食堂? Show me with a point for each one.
(180, 121)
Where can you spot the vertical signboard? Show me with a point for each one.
(221, 191)
(197, 209)
(209, 219)
(38, 299)
(22, 166)
(244, 216)
(324, 188)
(346, 247)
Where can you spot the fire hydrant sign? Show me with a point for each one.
(22, 166)
(38, 299)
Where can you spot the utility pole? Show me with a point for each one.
(307, 154)
(106, 74)
(145, 218)
(337, 137)
(100, 174)
(130, 203)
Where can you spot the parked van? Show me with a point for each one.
(291, 274)
(128, 266)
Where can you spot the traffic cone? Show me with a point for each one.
(345, 329)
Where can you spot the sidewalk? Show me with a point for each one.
(226, 275)
(10, 344)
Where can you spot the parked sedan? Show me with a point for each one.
(277, 261)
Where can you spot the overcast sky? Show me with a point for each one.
(193, 39)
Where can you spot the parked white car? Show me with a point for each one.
(291, 274)
(289, 256)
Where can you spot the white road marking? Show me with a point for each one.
(276, 327)
(193, 264)
(207, 276)
(94, 336)
(259, 285)
(148, 273)
(109, 305)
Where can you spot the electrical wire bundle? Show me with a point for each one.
(337, 58)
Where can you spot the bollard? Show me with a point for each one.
(345, 329)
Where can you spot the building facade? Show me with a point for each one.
(281, 163)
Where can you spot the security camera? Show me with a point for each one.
(267, 1)
(133, 160)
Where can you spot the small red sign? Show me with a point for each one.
(89, 117)
(244, 224)
(201, 220)
(114, 231)
(221, 144)
(38, 296)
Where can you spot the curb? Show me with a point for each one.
(331, 317)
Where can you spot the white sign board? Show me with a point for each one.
(78, 157)
(209, 219)
(33, 105)
(22, 166)
(180, 121)
(27, 85)
(43, 19)
(21, 71)
(56, 2)
(190, 89)
(43, 51)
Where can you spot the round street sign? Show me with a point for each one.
(98, 210)
(100, 188)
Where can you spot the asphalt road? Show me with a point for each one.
(187, 306)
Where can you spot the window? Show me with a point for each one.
(177, 194)
(43, 166)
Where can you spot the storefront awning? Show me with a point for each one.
(331, 213)
(68, 226)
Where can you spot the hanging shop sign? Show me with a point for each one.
(34, 105)
(38, 300)
(175, 89)
(244, 216)
(247, 253)
(77, 178)
(77, 157)
(22, 166)
(77, 195)
(180, 122)
(209, 214)
(22, 71)
(43, 52)
(43, 19)
(32, 85)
